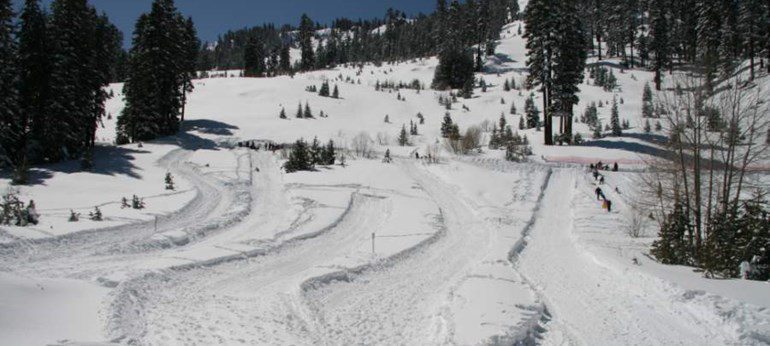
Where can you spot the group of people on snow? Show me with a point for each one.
(599, 178)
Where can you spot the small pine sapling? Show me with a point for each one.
(74, 217)
(169, 182)
(96, 215)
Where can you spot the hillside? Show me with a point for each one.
(472, 249)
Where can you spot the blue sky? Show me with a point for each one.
(213, 17)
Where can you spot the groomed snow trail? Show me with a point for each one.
(252, 301)
(409, 301)
(593, 302)
(91, 254)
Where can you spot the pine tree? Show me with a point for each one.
(659, 44)
(336, 92)
(299, 158)
(329, 155)
(456, 65)
(285, 59)
(753, 24)
(569, 56)
(299, 111)
(306, 43)
(522, 124)
(403, 137)
(647, 106)
(34, 73)
(282, 115)
(615, 119)
(324, 91)
(507, 86)
(503, 123)
(10, 131)
(532, 113)
(647, 126)
(513, 108)
(672, 247)
(307, 114)
(254, 59)
(159, 74)
(446, 126)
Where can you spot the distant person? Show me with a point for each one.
(601, 180)
(609, 206)
(615, 167)
(599, 194)
(416, 155)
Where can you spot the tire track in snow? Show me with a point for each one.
(252, 298)
(404, 302)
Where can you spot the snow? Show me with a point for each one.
(42, 311)
(470, 250)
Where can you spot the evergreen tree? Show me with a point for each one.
(324, 91)
(513, 107)
(672, 247)
(522, 124)
(569, 56)
(254, 59)
(503, 123)
(647, 126)
(10, 131)
(659, 44)
(403, 137)
(34, 72)
(446, 126)
(307, 114)
(158, 78)
(299, 111)
(282, 115)
(648, 109)
(299, 158)
(336, 92)
(329, 155)
(306, 43)
(532, 113)
(615, 119)
(285, 59)
(753, 25)
(540, 19)
(456, 65)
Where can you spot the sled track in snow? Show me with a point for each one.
(262, 279)
(215, 205)
(401, 299)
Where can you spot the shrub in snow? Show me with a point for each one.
(13, 211)
(96, 215)
(169, 181)
(137, 203)
(387, 158)
(74, 217)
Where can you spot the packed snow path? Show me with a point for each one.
(410, 301)
(93, 254)
(251, 301)
(592, 300)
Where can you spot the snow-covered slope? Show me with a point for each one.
(470, 250)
